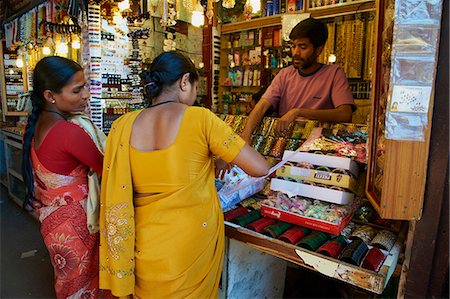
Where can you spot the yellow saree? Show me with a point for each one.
(168, 245)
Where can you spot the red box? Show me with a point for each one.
(315, 224)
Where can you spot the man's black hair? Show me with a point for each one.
(311, 28)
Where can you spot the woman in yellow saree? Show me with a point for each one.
(161, 223)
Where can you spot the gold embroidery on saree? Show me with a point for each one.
(117, 228)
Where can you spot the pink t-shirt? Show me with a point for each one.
(326, 89)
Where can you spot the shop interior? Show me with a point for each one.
(346, 206)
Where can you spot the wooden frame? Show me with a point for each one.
(405, 163)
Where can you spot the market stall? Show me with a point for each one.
(345, 198)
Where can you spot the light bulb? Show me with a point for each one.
(198, 18)
(123, 5)
(19, 62)
(46, 50)
(332, 58)
(62, 47)
(76, 44)
(201, 64)
(256, 5)
(11, 71)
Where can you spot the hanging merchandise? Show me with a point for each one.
(92, 60)
(169, 14)
(413, 61)
(228, 3)
(210, 11)
(77, 8)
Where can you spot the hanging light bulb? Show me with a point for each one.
(19, 60)
(256, 5)
(76, 43)
(198, 18)
(46, 50)
(124, 5)
(332, 58)
(62, 47)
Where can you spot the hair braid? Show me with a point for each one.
(27, 168)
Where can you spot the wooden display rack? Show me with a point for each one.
(405, 163)
(368, 280)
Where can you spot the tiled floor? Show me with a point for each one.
(26, 271)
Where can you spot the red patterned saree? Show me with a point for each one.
(73, 250)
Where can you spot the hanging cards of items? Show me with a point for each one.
(416, 31)
(95, 59)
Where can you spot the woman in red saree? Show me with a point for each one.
(57, 156)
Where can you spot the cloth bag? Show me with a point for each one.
(93, 200)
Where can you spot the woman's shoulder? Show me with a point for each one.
(125, 119)
(197, 111)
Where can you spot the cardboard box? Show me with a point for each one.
(318, 176)
(312, 223)
(323, 160)
(325, 194)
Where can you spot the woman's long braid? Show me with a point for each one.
(27, 168)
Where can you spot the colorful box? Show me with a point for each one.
(312, 223)
(323, 160)
(325, 194)
(318, 176)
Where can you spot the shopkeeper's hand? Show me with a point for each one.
(283, 123)
(222, 168)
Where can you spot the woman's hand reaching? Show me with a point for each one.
(221, 168)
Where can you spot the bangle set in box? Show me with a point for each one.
(311, 202)
(358, 244)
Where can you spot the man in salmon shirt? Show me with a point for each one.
(307, 88)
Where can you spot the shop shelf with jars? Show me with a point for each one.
(350, 44)
(245, 60)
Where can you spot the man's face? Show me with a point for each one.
(303, 53)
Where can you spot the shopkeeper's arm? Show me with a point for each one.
(342, 113)
(254, 118)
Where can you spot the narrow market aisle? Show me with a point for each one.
(26, 271)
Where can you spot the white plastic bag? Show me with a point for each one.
(237, 187)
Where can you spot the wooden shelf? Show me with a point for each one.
(317, 12)
(242, 88)
(14, 113)
(342, 9)
(12, 135)
(15, 174)
(257, 23)
(369, 280)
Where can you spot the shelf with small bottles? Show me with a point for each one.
(248, 61)
(350, 45)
